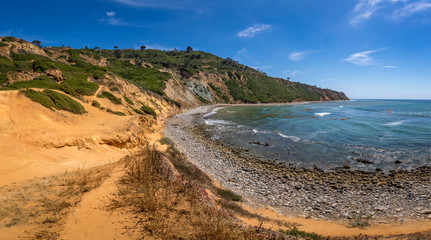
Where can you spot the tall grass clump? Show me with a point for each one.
(54, 100)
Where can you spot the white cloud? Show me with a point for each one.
(252, 31)
(110, 14)
(411, 9)
(390, 66)
(112, 20)
(362, 58)
(299, 56)
(365, 9)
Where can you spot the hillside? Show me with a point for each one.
(181, 78)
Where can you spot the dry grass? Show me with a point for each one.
(174, 207)
(40, 205)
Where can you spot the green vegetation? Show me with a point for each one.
(2, 44)
(110, 96)
(75, 82)
(166, 141)
(360, 221)
(229, 195)
(148, 78)
(95, 103)
(148, 110)
(128, 100)
(116, 113)
(54, 100)
(219, 92)
(138, 111)
(294, 231)
(9, 39)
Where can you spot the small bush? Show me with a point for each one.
(110, 96)
(294, 231)
(128, 100)
(229, 195)
(2, 44)
(149, 110)
(95, 103)
(360, 221)
(116, 113)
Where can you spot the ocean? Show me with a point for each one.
(361, 134)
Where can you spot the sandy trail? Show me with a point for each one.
(90, 219)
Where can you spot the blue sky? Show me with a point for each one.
(366, 48)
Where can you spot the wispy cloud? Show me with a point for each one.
(362, 58)
(412, 9)
(253, 30)
(390, 66)
(111, 19)
(299, 56)
(365, 9)
(239, 53)
(169, 4)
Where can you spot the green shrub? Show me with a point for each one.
(294, 231)
(39, 97)
(9, 39)
(110, 96)
(149, 110)
(95, 103)
(229, 195)
(2, 44)
(114, 89)
(3, 78)
(128, 100)
(54, 100)
(116, 113)
(138, 111)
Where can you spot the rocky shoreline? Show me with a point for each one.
(341, 194)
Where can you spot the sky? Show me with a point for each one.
(372, 49)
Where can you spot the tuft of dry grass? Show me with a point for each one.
(40, 205)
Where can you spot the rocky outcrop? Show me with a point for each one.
(200, 89)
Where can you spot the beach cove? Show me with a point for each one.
(398, 198)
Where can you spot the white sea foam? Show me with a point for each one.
(395, 123)
(293, 138)
(216, 122)
(257, 131)
(214, 111)
(322, 114)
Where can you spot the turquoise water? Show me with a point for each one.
(364, 134)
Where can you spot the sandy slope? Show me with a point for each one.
(35, 141)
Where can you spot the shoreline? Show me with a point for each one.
(341, 196)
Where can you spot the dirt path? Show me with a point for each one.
(91, 219)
